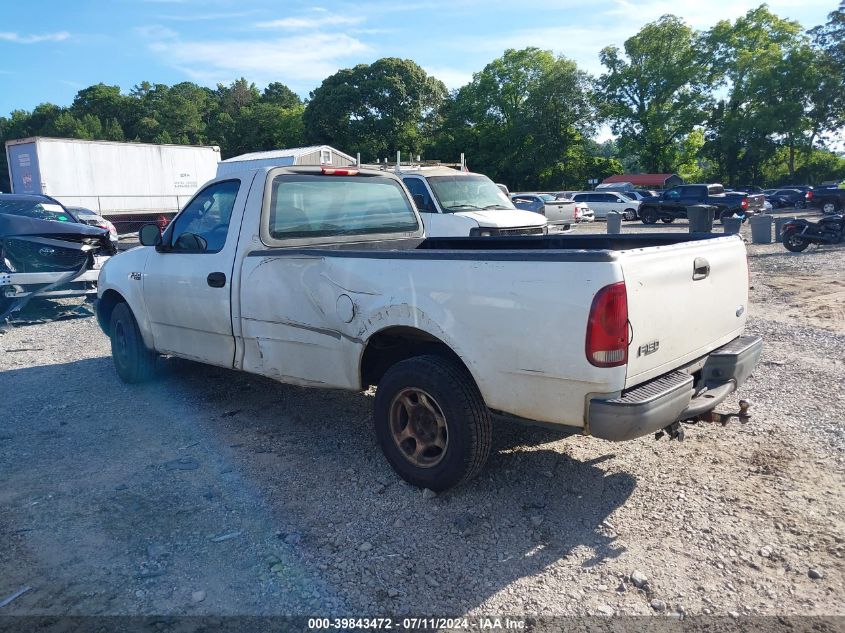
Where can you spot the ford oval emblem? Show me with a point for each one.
(47, 251)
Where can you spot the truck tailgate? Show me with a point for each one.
(684, 300)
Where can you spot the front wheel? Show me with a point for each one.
(648, 215)
(132, 360)
(794, 242)
(630, 214)
(829, 207)
(431, 422)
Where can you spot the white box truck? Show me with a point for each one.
(128, 183)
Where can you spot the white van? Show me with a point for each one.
(457, 203)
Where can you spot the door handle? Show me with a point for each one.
(700, 268)
(216, 280)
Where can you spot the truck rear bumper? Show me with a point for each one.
(655, 404)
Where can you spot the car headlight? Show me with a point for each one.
(546, 230)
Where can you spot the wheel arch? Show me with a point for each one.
(105, 307)
(395, 343)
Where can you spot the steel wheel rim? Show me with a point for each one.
(418, 427)
(795, 240)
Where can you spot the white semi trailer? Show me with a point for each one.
(128, 183)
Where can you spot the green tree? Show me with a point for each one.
(655, 95)
(754, 57)
(524, 119)
(279, 94)
(375, 109)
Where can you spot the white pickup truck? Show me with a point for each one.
(324, 278)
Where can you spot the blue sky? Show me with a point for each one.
(49, 50)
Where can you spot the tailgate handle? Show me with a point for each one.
(700, 269)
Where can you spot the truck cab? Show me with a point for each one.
(461, 204)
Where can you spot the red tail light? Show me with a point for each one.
(809, 195)
(577, 213)
(607, 327)
(331, 171)
(745, 203)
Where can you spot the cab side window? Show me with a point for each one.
(418, 188)
(203, 225)
(673, 194)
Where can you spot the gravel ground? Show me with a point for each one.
(212, 492)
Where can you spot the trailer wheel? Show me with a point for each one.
(132, 360)
(431, 422)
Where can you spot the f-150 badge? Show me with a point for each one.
(648, 348)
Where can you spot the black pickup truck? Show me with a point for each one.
(672, 204)
(828, 199)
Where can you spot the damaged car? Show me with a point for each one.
(46, 251)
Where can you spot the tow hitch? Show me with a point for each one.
(723, 418)
(676, 432)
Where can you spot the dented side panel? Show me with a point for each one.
(519, 328)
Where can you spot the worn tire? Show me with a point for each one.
(649, 215)
(133, 361)
(468, 424)
(794, 243)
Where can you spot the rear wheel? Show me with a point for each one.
(431, 422)
(133, 361)
(794, 242)
(829, 207)
(649, 215)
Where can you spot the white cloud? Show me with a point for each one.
(303, 22)
(301, 61)
(452, 77)
(17, 38)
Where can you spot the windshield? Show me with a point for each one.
(465, 192)
(35, 209)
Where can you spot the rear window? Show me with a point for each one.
(37, 210)
(325, 206)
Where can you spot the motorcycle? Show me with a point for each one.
(798, 234)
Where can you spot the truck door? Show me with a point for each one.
(187, 280)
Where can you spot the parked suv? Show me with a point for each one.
(603, 202)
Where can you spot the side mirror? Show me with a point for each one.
(150, 235)
(419, 201)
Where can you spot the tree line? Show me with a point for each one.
(757, 100)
